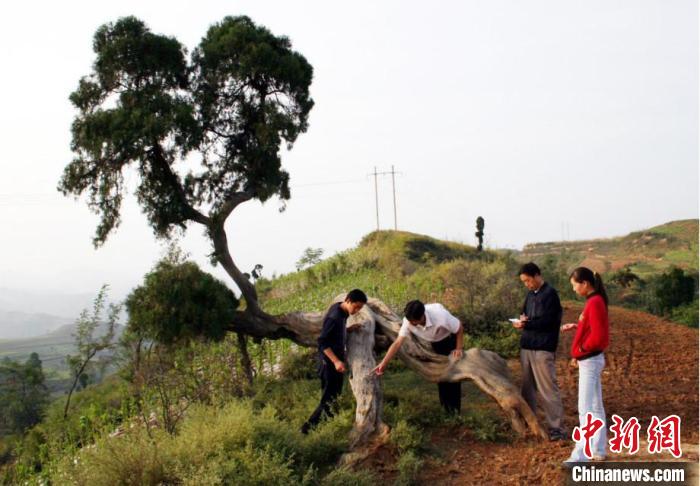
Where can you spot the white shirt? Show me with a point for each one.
(439, 324)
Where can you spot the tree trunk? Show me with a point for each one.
(369, 429)
(487, 369)
(245, 358)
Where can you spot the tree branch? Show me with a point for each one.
(158, 159)
(223, 256)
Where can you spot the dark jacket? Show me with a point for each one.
(543, 311)
(333, 332)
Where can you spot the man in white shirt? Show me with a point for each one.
(432, 323)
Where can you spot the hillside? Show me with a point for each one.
(52, 348)
(230, 429)
(646, 252)
(389, 265)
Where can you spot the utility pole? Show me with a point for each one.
(376, 195)
(393, 190)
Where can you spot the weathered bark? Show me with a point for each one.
(364, 383)
(245, 358)
(223, 256)
(487, 369)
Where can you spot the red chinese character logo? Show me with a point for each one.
(665, 435)
(624, 435)
(587, 432)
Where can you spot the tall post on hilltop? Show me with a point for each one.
(393, 190)
(376, 196)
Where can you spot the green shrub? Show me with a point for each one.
(255, 467)
(686, 314)
(178, 301)
(406, 437)
(408, 465)
(482, 293)
(346, 477)
(132, 459)
(299, 364)
(505, 341)
(485, 426)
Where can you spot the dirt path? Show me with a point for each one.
(652, 369)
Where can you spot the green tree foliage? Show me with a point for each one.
(311, 256)
(671, 289)
(23, 395)
(103, 318)
(624, 277)
(178, 301)
(224, 114)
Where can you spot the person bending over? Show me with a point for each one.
(432, 323)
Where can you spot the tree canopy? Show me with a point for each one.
(23, 394)
(220, 117)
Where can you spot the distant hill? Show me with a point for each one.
(52, 348)
(646, 252)
(21, 325)
(43, 302)
(390, 265)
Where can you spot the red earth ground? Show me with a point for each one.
(652, 369)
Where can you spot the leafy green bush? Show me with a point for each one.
(504, 340)
(671, 289)
(686, 314)
(344, 476)
(176, 301)
(132, 459)
(485, 426)
(406, 437)
(251, 467)
(408, 465)
(299, 364)
(483, 293)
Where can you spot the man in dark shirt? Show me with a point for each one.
(331, 349)
(539, 321)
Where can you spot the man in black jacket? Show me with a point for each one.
(539, 321)
(331, 349)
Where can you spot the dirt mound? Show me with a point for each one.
(652, 369)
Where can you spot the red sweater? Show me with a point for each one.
(593, 331)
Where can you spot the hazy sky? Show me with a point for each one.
(531, 114)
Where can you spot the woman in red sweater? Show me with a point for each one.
(591, 339)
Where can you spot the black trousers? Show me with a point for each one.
(331, 386)
(450, 393)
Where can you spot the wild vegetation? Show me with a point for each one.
(655, 270)
(185, 397)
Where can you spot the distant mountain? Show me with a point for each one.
(25, 314)
(17, 325)
(52, 303)
(52, 348)
(646, 252)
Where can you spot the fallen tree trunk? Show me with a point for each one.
(487, 369)
(377, 326)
